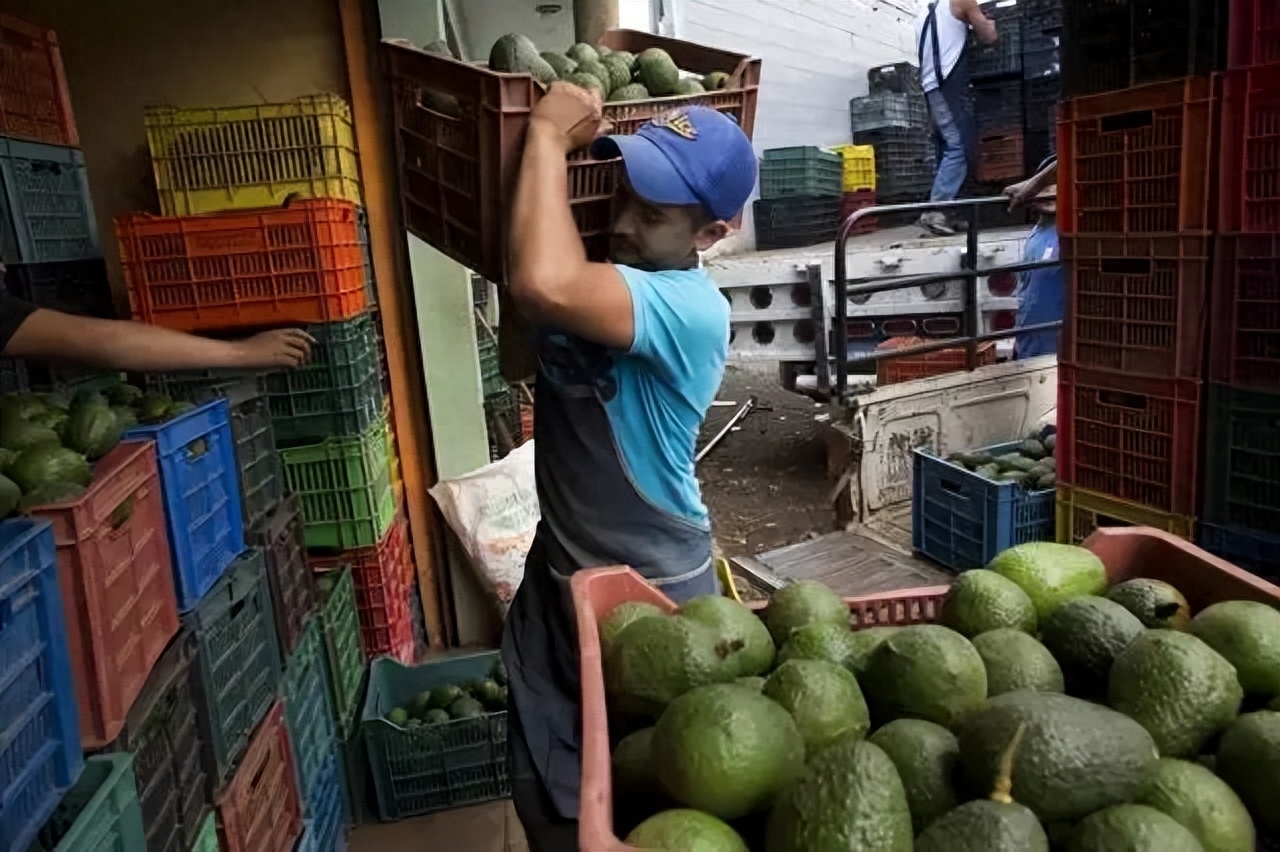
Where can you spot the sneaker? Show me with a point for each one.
(936, 223)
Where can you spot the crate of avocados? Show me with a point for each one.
(460, 127)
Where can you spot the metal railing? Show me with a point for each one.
(972, 333)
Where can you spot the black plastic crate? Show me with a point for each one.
(899, 77)
(13, 375)
(1036, 146)
(163, 734)
(1040, 16)
(1004, 58)
(796, 221)
(71, 286)
(292, 588)
(1040, 98)
(997, 105)
(888, 109)
(1042, 56)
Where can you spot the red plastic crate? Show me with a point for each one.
(851, 202)
(301, 263)
(1249, 198)
(1244, 341)
(34, 100)
(1132, 437)
(1137, 304)
(460, 130)
(910, 367)
(382, 575)
(260, 811)
(117, 586)
(1254, 34)
(1137, 161)
(1000, 156)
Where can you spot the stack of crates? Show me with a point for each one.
(48, 234)
(997, 73)
(858, 184)
(1041, 31)
(1240, 519)
(800, 190)
(894, 119)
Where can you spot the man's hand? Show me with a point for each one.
(575, 114)
(1019, 193)
(273, 350)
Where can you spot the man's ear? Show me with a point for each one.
(710, 234)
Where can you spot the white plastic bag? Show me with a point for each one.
(494, 512)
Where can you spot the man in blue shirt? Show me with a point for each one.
(630, 355)
(1040, 291)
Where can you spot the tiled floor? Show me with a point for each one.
(491, 827)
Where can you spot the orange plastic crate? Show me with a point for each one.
(1126, 553)
(117, 586)
(301, 263)
(911, 367)
(382, 575)
(34, 100)
(260, 810)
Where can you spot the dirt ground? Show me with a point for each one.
(765, 483)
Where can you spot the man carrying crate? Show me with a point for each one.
(630, 355)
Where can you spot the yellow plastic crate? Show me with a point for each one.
(236, 158)
(1080, 512)
(859, 167)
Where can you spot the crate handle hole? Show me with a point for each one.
(197, 448)
(1126, 266)
(1120, 399)
(952, 487)
(1135, 120)
(121, 514)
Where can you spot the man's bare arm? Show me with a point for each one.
(971, 13)
(550, 278)
(124, 345)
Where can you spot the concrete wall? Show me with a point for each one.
(123, 55)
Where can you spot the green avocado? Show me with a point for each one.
(685, 830)
(466, 707)
(1085, 635)
(1132, 828)
(824, 700)
(1155, 603)
(561, 64)
(444, 696)
(1247, 634)
(755, 683)
(653, 661)
(800, 603)
(1248, 759)
(1203, 803)
(583, 52)
(734, 623)
(92, 428)
(10, 494)
(1016, 661)
(985, 826)
(715, 81)
(48, 463)
(50, 494)
(1051, 573)
(19, 435)
(629, 92)
(980, 601)
(1032, 449)
(863, 643)
(688, 86)
(123, 394)
(621, 616)
(618, 70)
(657, 72)
(587, 81)
(927, 757)
(821, 640)
(436, 716)
(924, 671)
(398, 716)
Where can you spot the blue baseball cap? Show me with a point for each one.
(690, 155)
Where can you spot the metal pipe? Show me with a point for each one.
(951, 343)
(738, 417)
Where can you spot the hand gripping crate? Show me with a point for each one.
(41, 758)
(308, 711)
(236, 158)
(293, 594)
(459, 129)
(301, 263)
(343, 644)
(260, 809)
(117, 585)
(1004, 58)
(35, 103)
(162, 733)
(239, 663)
(418, 770)
(47, 215)
(344, 485)
(962, 520)
(1126, 554)
(201, 495)
(100, 813)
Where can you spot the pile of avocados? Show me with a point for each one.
(1032, 464)
(48, 441)
(450, 702)
(1044, 709)
(616, 74)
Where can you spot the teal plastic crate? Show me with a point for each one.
(207, 840)
(344, 653)
(46, 214)
(100, 813)
(344, 484)
(426, 769)
(490, 369)
(308, 711)
(801, 171)
(239, 662)
(1242, 458)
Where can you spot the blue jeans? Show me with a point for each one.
(953, 160)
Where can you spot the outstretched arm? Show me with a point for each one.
(1020, 193)
(48, 335)
(971, 13)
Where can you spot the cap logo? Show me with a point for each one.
(678, 122)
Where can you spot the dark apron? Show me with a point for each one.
(592, 515)
(954, 87)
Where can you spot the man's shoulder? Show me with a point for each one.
(689, 288)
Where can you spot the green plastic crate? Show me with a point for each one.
(801, 171)
(422, 770)
(1242, 458)
(308, 711)
(207, 839)
(490, 369)
(338, 392)
(344, 484)
(341, 623)
(100, 813)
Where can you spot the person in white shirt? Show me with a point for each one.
(942, 31)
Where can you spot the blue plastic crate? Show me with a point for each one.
(201, 485)
(325, 826)
(308, 710)
(1253, 550)
(424, 769)
(961, 520)
(40, 755)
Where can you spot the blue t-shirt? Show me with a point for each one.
(1040, 294)
(667, 382)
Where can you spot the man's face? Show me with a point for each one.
(649, 236)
